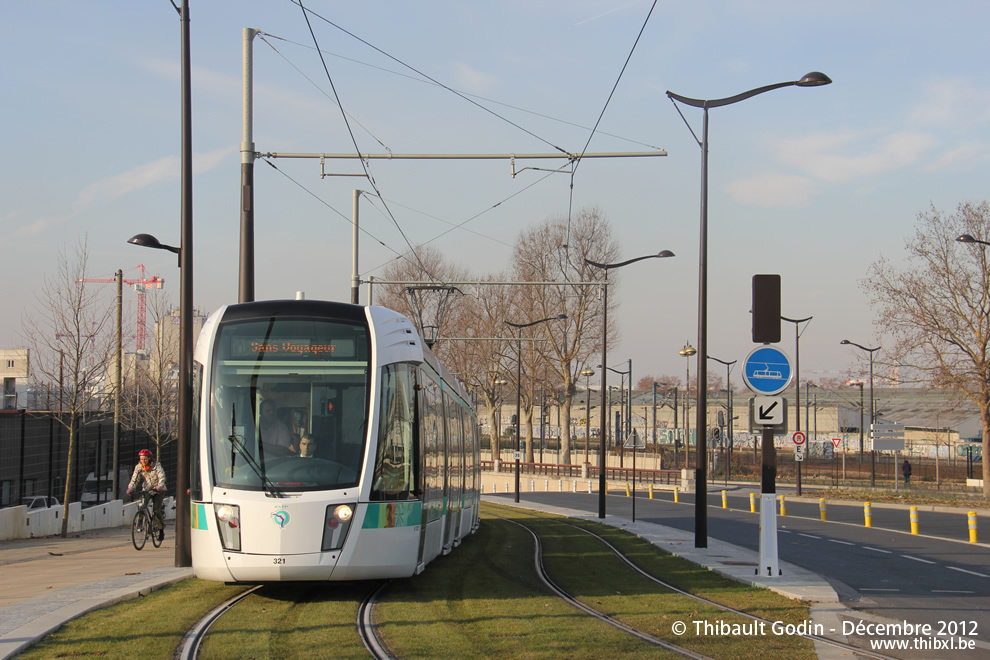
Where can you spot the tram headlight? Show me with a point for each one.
(229, 525)
(338, 521)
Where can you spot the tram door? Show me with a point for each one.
(455, 461)
(432, 461)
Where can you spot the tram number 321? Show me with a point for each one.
(278, 560)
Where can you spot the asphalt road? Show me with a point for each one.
(932, 578)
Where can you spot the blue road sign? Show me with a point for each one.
(767, 370)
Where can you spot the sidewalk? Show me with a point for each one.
(49, 581)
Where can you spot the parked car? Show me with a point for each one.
(35, 502)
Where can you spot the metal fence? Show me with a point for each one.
(34, 449)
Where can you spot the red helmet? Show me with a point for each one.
(144, 452)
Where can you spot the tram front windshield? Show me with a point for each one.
(289, 404)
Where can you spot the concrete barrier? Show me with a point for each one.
(18, 523)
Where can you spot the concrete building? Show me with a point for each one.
(14, 369)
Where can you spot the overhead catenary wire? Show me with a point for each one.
(357, 149)
(329, 206)
(431, 79)
(577, 162)
(436, 84)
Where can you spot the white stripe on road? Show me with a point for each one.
(886, 552)
(923, 561)
(963, 570)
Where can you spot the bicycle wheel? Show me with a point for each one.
(139, 529)
(155, 538)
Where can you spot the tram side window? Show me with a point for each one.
(469, 442)
(395, 460)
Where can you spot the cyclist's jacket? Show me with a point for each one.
(154, 477)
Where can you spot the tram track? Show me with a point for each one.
(192, 642)
(367, 596)
(548, 581)
(367, 627)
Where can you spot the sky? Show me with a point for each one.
(814, 184)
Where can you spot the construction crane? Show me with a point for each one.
(141, 286)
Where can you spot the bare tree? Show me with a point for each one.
(482, 359)
(71, 346)
(936, 307)
(556, 252)
(437, 308)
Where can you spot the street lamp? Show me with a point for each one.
(966, 238)
(813, 79)
(183, 542)
(728, 411)
(519, 328)
(873, 467)
(625, 408)
(587, 372)
(606, 267)
(687, 352)
(797, 385)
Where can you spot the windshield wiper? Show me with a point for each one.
(237, 445)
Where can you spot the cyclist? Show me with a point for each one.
(152, 474)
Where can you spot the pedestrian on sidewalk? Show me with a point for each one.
(906, 471)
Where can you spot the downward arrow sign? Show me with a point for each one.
(765, 412)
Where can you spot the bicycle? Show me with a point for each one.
(143, 525)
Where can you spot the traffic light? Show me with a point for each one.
(766, 309)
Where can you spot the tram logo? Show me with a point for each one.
(281, 518)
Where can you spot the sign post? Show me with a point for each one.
(633, 442)
(800, 445)
(767, 372)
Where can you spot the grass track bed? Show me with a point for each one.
(589, 571)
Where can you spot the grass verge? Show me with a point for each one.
(150, 627)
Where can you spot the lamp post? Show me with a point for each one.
(985, 444)
(183, 545)
(873, 466)
(797, 385)
(498, 426)
(587, 372)
(813, 79)
(687, 352)
(625, 413)
(607, 267)
(728, 409)
(519, 328)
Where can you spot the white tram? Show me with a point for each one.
(395, 477)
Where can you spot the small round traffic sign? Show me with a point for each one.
(799, 438)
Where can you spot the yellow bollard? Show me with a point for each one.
(821, 508)
(867, 514)
(651, 491)
(628, 494)
(914, 520)
(783, 506)
(972, 527)
(725, 500)
(606, 488)
(676, 492)
(752, 502)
